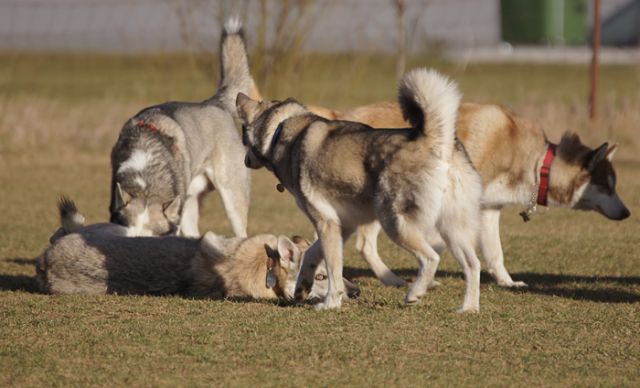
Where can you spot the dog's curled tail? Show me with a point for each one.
(70, 218)
(235, 74)
(430, 102)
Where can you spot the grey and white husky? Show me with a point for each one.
(169, 156)
(346, 174)
(100, 259)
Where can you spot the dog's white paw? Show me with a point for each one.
(327, 306)
(512, 284)
(434, 284)
(416, 291)
(330, 303)
(468, 309)
(411, 300)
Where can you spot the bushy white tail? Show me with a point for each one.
(430, 102)
(235, 74)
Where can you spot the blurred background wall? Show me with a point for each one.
(71, 65)
(126, 26)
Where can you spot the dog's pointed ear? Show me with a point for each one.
(570, 140)
(122, 197)
(301, 242)
(596, 156)
(288, 252)
(246, 107)
(611, 151)
(171, 210)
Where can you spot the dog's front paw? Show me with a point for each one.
(330, 303)
(512, 284)
(469, 309)
(417, 290)
(433, 284)
(411, 299)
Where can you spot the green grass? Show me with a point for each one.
(576, 324)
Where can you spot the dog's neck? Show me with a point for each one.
(287, 133)
(545, 171)
(540, 190)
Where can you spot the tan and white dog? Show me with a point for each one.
(509, 153)
(100, 259)
(346, 174)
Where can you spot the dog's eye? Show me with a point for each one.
(320, 277)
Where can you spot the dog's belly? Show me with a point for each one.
(349, 211)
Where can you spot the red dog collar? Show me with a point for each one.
(150, 126)
(543, 189)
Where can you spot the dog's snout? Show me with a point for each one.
(624, 214)
(617, 215)
(353, 293)
(247, 161)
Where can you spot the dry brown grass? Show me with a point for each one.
(575, 325)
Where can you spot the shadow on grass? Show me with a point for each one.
(21, 261)
(19, 282)
(605, 289)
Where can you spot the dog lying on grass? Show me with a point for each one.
(99, 259)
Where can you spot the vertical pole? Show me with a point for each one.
(402, 38)
(595, 62)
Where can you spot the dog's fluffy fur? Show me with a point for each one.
(346, 174)
(169, 156)
(100, 259)
(507, 151)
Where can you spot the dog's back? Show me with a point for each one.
(99, 264)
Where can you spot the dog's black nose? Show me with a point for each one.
(247, 161)
(353, 293)
(625, 214)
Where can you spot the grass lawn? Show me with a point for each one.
(578, 322)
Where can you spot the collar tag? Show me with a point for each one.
(271, 274)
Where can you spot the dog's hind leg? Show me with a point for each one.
(410, 236)
(466, 257)
(367, 245)
(491, 248)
